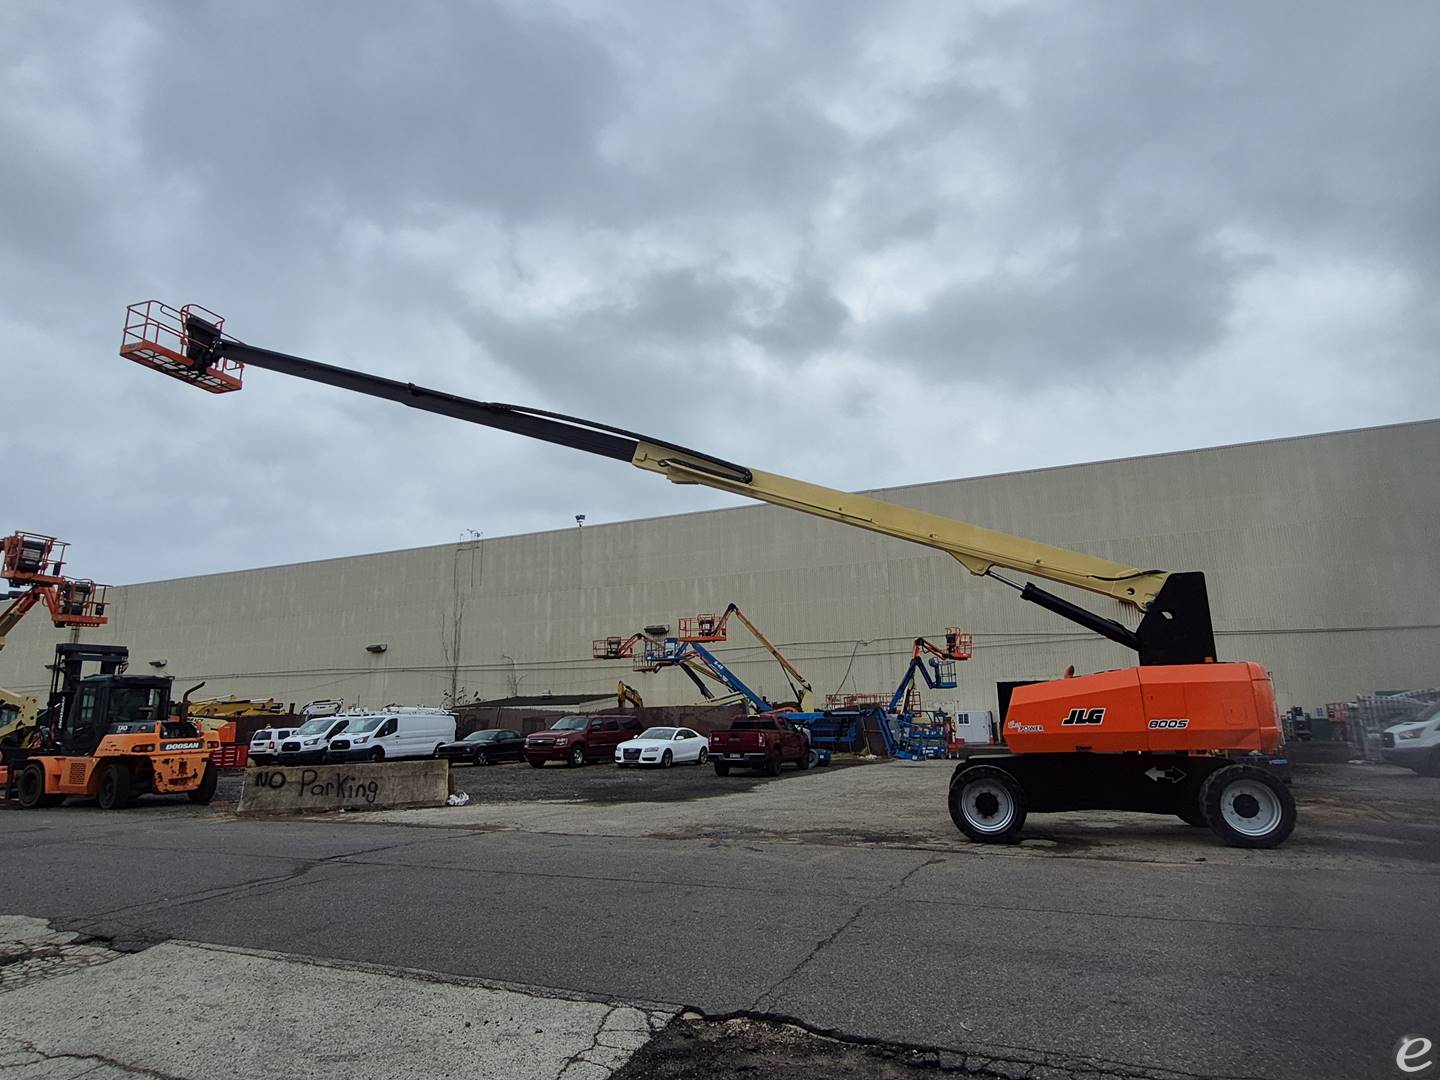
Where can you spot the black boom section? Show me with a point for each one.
(205, 346)
(1116, 632)
(1175, 630)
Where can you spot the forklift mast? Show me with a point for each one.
(66, 675)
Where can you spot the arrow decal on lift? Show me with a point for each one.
(1172, 775)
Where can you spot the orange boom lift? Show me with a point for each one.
(31, 564)
(1180, 733)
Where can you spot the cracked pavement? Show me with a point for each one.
(1110, 945)
(182, 1010)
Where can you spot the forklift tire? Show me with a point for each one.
(206, 789)
(30, 787)
(115, 787)
(722, 768)
(987, 804)
(1248, 807)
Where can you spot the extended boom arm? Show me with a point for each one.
(1175, 627)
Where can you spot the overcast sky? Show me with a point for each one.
(862, 244)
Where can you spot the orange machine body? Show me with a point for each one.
(1194, 708)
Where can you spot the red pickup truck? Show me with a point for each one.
(761, 742)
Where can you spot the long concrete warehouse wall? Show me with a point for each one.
(1321, 554)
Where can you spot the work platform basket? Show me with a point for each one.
(173, 342)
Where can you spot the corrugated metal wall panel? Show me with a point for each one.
(1321, 555)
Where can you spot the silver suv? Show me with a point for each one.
(265, 744)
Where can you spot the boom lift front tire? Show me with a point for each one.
(205, 791)
(1248, 807)
(987, 804)
(115, 787)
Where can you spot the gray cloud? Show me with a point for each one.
(794, 234)
(1115, 302)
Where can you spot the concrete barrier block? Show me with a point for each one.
(309, 789)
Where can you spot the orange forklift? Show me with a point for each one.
(107, 736)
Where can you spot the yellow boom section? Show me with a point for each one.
(978, 549)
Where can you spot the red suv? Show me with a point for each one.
(578, 739)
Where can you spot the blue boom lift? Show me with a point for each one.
(920, 735)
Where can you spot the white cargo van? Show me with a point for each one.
(391, 734)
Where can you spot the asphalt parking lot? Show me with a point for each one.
(828, 923)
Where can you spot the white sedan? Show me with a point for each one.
(664, 746)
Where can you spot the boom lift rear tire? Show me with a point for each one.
(1248, 807)
(115, 787)
(987, 804)
(206, 790)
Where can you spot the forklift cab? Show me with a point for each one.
(114, 705)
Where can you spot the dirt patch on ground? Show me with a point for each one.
(744, 1048)
(692, 1049)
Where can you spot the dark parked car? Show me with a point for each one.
(578, 739)
(486, 747)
